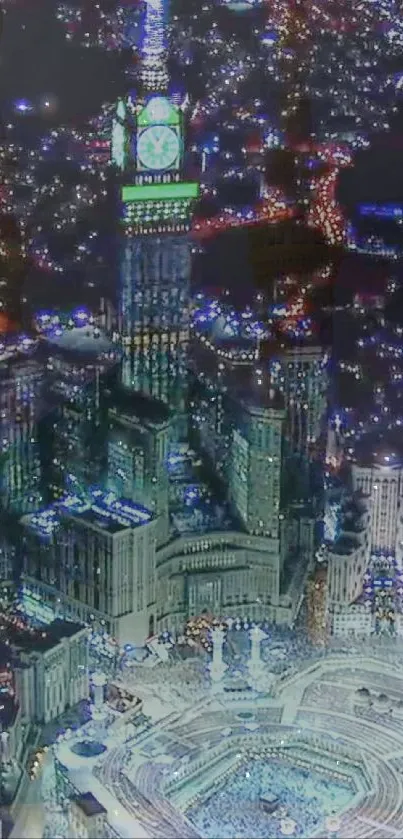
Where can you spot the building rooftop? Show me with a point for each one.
(87, 339)
(105, 510)
(28, 639)
(102, 509)
(89, 804)
(75, 333)
(81, 345)
(221, 325)
(44, 523)
(352, 518)
(135, 405)
(261, 398)
(355, 505)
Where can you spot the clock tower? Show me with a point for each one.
(156, 210)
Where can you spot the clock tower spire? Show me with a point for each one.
(154, 74)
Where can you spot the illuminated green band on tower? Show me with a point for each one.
(160, 192)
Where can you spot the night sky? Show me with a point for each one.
(38, 62)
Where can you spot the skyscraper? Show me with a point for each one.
(377, 472)
(156, 205)
(81, 364)
(138, 437)
(256, 460)
(300, 372)
(21, 384)
(92, 559)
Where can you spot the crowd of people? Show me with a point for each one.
(305, 797)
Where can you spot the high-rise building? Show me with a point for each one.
(139, 431)
(93, 559)
(21, 386)
(43, 672)
(218, 370)
(81, 365)
(156, 207)
(348, 557)
(377, 476)
(300, 371)
(256, 461)
(377, 472)
(50, 667)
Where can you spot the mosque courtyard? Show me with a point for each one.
(313, 751)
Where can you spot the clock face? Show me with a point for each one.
(158, 147)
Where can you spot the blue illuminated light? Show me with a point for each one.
(108, 507)
(23, 106)
(269, 38)
(105, 505)
(81, 316)
(392, 211)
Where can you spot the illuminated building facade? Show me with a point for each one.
(22, 811)
(51, 669)
(349, 556)
(382, 482)
(228, 574)
(256, 462)
(300, 372)
(239, 425)
(156, 261)
(154, 74)
(217, 374)
(210, 431)
(21, 384)
(7, 568)
(235, 573)
(81, 364)
(42, 673)
(93, 559)
(156, 210)
(139, 432)
(376, 471)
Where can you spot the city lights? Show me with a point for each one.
(201, 413)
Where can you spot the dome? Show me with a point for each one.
(222, 328)
(85, 339)
(362, 697)
(382, 703)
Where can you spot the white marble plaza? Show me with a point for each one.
(331, 752)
